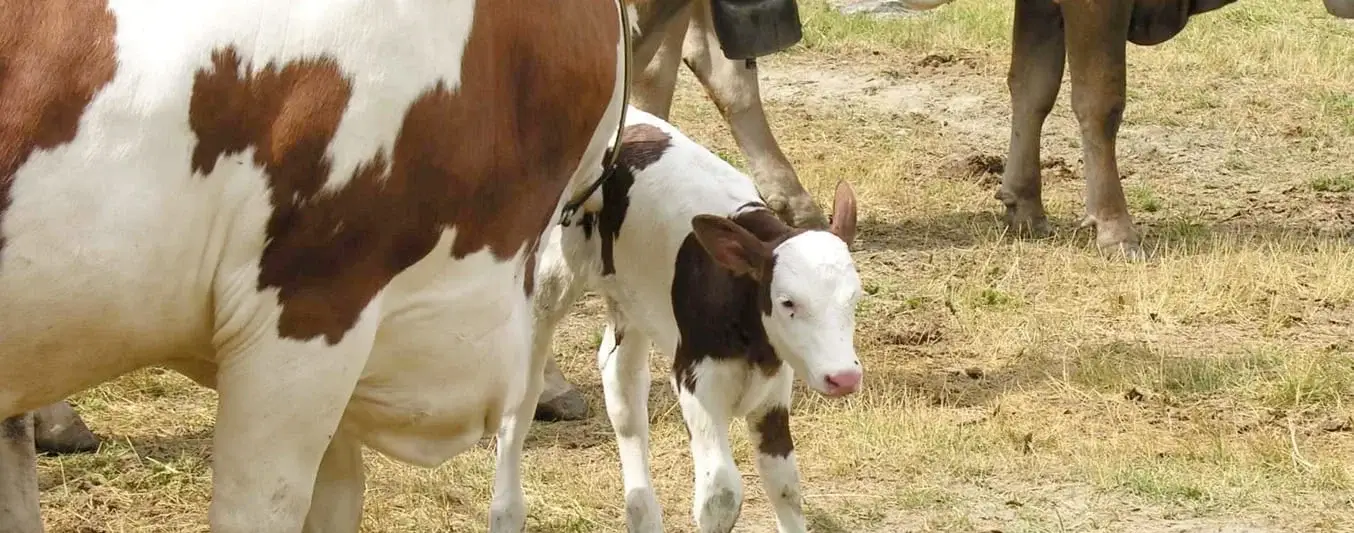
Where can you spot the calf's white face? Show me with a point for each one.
(814, 289)
(807, 287)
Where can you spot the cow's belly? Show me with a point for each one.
(447, 363)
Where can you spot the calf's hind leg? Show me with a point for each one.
(623, 358)
(19, 507)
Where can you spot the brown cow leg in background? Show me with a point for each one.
(652, 88)
(19, 507)
(560, 400)
(57, 428)
(1097, 33)
(1341, 8)
(1033, 80)
(733, 87)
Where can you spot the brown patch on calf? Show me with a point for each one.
(54, 56)
(719, 312)
(641, 146)
(489, 159)
(774, 432)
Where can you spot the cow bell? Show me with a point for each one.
(748, 29)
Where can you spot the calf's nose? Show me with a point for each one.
(843, 383)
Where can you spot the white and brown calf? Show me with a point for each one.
(327, 210)
(691, 261)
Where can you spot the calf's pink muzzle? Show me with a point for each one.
(842, 383)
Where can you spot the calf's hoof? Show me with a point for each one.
(57, 429)
(507, 517)
(568, 405)
(642, 512)
(719, 511)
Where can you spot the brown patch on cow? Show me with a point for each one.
(489, 159)
(1157, 21)
(641, 145)
(774, 430)
(54, 56)
(718, 312)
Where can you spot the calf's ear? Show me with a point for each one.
(844, 213)
(730, 245)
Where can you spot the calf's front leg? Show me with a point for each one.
(1097, 34)
(718, 486)
(769, 431)
(19, 507)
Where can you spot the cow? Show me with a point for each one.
(328, 211)
(689, 259)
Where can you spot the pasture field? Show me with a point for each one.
(1012, 385)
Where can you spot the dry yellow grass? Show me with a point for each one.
(1011, 385)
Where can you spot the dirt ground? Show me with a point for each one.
(1012, 385)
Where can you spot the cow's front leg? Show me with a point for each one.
(1096, 33)
(623, 358)
(19, 507)
(279, 406)
(769, 432)
(733, 87)
(1035, 73)
(336, 506)
(718, 496)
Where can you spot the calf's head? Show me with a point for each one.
(807, 289)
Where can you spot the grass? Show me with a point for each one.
(1012, 384)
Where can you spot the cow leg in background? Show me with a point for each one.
(336, 504)
(733, 87)
(279, 405)
(653, 87)
(19, 508)
(623, 359)
(57, 428)
(1035, 74)
(559, 399)
(769, 432)
(1097, 35)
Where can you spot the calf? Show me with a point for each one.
(690, 260)
(329, 211)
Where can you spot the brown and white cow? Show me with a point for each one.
(691, 261)
(326, 210)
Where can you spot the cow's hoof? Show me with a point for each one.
(567, 406)
(60, 431)
(1116, 239)
(1024, 216)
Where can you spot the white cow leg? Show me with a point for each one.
(19, 508)
(279, 407)
(718, 486)
(769, 432)
(733, 87)
(653, 87)
(623, 358)
(336, 506)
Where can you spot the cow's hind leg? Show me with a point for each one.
(279, 406)
(57, 428)
(1097, 33)
(706, 409)
(336, 505)
(733, 87)
(769, 432)
(654, 86)
(623, 358)
(19, 508)
(1035, 73)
